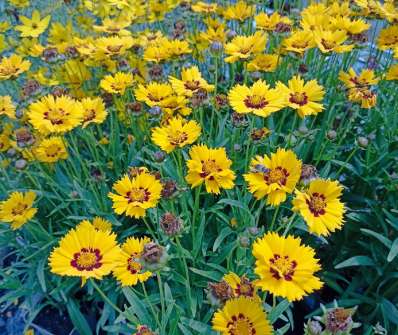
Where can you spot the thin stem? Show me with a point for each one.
(160, 284)
(150, 305)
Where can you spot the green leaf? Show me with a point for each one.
(276, 312)
(220, 238)
(356, 261)
(378, 236)
(77, 318)
(40, 274)
(136, 304)
(390, 310)
(393, 251)
(213, 275)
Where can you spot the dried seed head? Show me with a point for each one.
(308, 173)
(258, 134)
(171, 224)
(59, 91)
(159, 156)
(313, 328)
(221, 100)
(338, 320)
(156, 71)
(71, 52)
(244, 241)
(283, 27)
(30, 89)
(239, 120)
(219, 293)
(154, 257)
(144, 330)
(303, 68)
(24, 137)
(50, 55)
(199, 97)
(169, 188)
(135, 108)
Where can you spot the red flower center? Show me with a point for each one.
(317, 204)
(87, 259)
(282, 267)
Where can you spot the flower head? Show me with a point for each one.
(258, 99)
(244, 47)
(239, 11)
(33, 27)
(191, 82)
(176, 134)
(128, 270)
(332, 41)
(211, 167)
(303, 97)
(286, 267)
(7, 107)
(241, 316)
(134, 196)
(93, 111)
(13, 66)
(85, 252)
(17, 209)
(274, 177)
(118, 83)
(51, 150)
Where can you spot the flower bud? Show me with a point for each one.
(244, 241)
(363, 142)
(308, 173)
(216, 47)
(253, 231)
(159, 156)
(331, 135)
(20, 164)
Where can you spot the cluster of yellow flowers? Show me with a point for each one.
(114, 66)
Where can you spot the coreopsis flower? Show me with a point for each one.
(299, 42)
(392, 74)
(128, 270)
(241, 286)
(351, 27)
(51, 150)
(388, 10)
(61, 35)
(274, 177)
(204, 7)
(118, 83)
(351, 79)
(18, 209)
(102, 224)
(240, 316)
(112, 26)
(211, 35)
(53, 114)
(263, 63)
(153, 93)
(13, 66)
(364, 96)
(244, 47)
(211, 167)
(177, 133)
(303, 97)
(112, 46)
(258, 99)
(239, 11)
(177, 48)
(33, 27)
(134, 196)
(5, 137)
(7, 107)
(320, 206)
(286, 267)
(332, 41)
(388, 38)
(270, 22)
(191, 82)
(85, 252)
(156, 53)
(93, 111)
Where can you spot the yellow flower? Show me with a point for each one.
(153, 94)
(17, 209)
(176, 134)
(5, 137)
(102, 224)
(85, 252)
(55, 114)
(239, 11)
(177, 48)
(242, 316)
(258, 99)
(286, 267)
(270, 22)
(93, 111)
(209, 166)
(156, 54)
(264, 63)
(112, 26)
(128, 270)
(61, 35)
(241, 286)
(13, 66)
(118, 83)
(19, 3)
(51, 150)
(392, 73)
(299, 42)
(112, 46)
(244, 47)
(191, 82)
(273, 177)
(134, 196)
(388, 38)
(303, 97)
(211, 35)
(7, 107)
(33, 27)
(352, 27)
(351, 79)
(332, 41)
(29, 47)
(74, 73)
(320, 206)
(203, 7)
(362, 95)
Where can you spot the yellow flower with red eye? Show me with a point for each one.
(13, 66)
(388, 38)
(128, 270)
(239, 11)
(33, 27)
(51, 150)
(191, 82)
(303, 97)
(211, 167)
(264, 63)
(258, 99)
(244, 47)
(7, 107)
(273, 177)
(153, 93)
(299, 42)
(285, 267)
(118, 83)
(112, 46)
(18, 209)
(93, 111)
(271, 22)
(177, 133)
(85, 252)
(241, 316)
(365, 78)
(134, 196)
(332, 41)
(320, 206)
(241, 286)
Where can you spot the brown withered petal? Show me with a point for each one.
(220, 291)
(170, 224)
